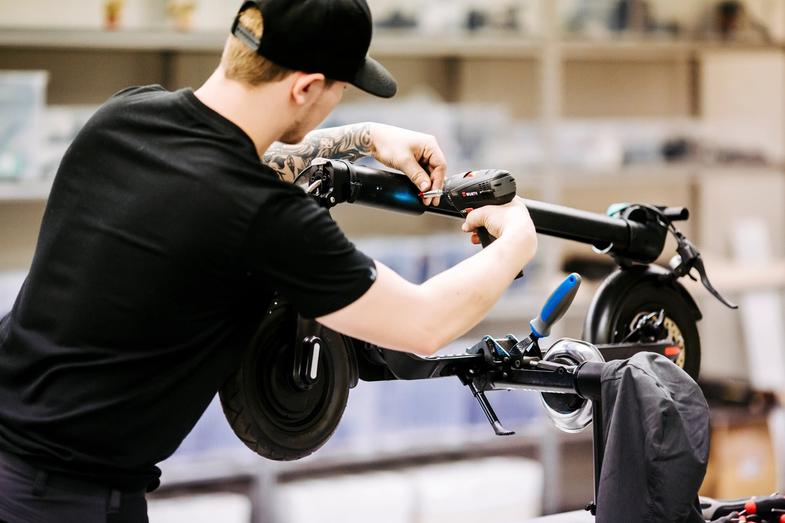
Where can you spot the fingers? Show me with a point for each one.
(418, 155)
(416, 174)
(474, 238)
(438, 167)
(474, 219)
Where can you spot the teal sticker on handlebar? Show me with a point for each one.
(616, 208)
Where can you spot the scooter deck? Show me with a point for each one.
(407, 366)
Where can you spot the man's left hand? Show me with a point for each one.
(416, 154)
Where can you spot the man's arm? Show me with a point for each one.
(348, 142)
(416, 154)
(398, 314)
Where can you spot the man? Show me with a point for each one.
(164, 239)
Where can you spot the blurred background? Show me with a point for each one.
(587, 102)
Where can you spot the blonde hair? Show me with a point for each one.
(242, 63)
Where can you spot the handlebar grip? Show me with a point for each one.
(558, 303)
(676, 214)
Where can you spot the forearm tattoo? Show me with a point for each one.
(348, 142)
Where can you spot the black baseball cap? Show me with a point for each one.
(319, 36)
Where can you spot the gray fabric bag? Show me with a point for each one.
(656, 424)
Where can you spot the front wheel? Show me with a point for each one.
(267, 410)
(630, 294)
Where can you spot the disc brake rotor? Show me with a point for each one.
(674, 333)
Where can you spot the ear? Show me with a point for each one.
(307, 87)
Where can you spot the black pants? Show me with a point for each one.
(29, 495)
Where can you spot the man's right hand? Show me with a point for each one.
(511, 218)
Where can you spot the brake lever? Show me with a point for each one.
(709, 287)
(689, 258)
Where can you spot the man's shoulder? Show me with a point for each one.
(151, 100)
(137, 90)
(145, 99)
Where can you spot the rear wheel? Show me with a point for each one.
(267, 410)
(625, 304)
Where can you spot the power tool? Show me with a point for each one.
(335, 181)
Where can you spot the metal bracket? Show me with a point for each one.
(306, 362)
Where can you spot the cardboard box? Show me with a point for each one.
(741, 461)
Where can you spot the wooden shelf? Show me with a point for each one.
(136, 40)
(38, 190)
(385, 43)
(465, 443)
(628, 175)
(405, 44)
(459, 45)
(643, 49)
(24, 191)
(638, 50)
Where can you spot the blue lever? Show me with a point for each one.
(558, 303)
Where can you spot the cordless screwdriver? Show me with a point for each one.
(476, 189)
(336, 181)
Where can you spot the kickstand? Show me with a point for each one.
(488, 410)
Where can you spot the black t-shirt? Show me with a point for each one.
(161, 245)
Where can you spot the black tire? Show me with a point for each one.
(639, 295)
(264, 407)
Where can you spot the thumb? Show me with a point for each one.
(415, 173)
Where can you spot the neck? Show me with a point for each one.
(241, 103)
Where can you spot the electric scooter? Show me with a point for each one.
(288, 397)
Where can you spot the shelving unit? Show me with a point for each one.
(559, 78)
(386, 43)
(547, 80)
(24, 191)
(258, 479)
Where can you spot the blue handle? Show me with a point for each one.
(558, 303)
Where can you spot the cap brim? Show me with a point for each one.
(375, 79)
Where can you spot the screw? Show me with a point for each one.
(517, 363)
(506, 359)
(332, 199)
